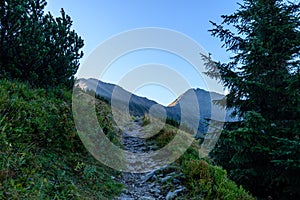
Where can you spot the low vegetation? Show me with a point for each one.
(201, 179)
(41, 155)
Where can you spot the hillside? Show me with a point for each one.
(139, 106)
(42, 157)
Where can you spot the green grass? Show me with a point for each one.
(41, 155)
(146, 120)
(201, 179)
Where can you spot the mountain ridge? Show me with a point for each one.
(173, 103)
(139, 106)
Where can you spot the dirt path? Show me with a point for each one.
(138, 185)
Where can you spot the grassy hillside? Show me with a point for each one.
(41, 156)
(200, 177)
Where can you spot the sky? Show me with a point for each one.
(98, 21)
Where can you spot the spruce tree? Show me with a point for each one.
(262, 151)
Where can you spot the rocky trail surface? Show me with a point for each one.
(143, 186)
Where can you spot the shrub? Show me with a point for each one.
(210, 182)
(36, 47)
(201, 179)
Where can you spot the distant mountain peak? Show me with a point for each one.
(139, 106)
(175, 102)
(198, 92)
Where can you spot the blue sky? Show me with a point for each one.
(98, 20)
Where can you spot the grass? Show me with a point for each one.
(146, 120)
(41, 155)
(201, 179)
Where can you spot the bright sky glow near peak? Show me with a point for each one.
(98, 20)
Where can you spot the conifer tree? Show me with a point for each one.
(36, 47)
(262, 151)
